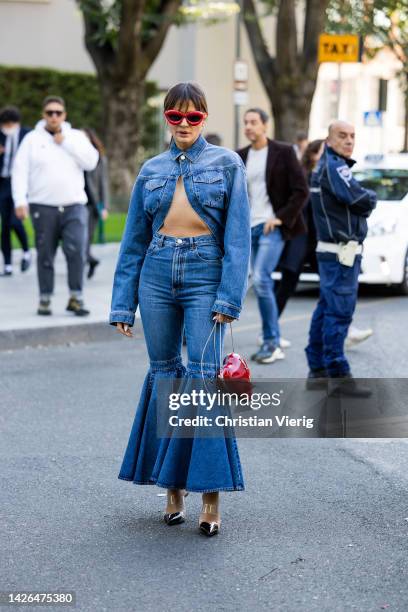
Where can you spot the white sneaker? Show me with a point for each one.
(355, 336)
(283, 342)
(275, 356)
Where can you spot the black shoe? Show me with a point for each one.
(346, 385)
(210, 528)
(317, 379)
(44, 308)
(92, 265)
(25, 264)
(175, 518)
(77, 307)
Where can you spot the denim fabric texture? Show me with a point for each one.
(333, 314)
(265, 254)
(178, 284)
(216, 187)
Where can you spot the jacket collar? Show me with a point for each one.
(349, 161)
(192, 153)
(272, 152)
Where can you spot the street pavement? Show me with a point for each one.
(20, 325)
(321, 526)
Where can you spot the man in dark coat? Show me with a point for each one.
(277, 193)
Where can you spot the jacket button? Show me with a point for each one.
(183, 157)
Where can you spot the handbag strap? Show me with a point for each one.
(232, 338)
(217, 365)
(213, 331)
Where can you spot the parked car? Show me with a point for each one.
(385, 256)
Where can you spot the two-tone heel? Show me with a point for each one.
(178, 517)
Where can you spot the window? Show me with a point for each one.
(388, 184)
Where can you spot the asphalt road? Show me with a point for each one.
(321, 526)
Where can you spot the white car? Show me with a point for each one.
(385, 255)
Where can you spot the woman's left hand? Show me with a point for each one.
(222, 318)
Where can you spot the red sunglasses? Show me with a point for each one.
(175, 117)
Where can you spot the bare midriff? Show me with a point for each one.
(182, 220)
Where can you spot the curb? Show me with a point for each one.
(14, 339)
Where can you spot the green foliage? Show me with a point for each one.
(346, 17)
(105, 17)
(27, 87)
(385, 21)
(106, 14)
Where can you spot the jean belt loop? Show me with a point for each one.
(161, 240)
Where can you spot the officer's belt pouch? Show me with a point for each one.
(347, 252)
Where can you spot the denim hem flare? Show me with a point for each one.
(177, 290)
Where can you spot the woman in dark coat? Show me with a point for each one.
(97, 190)
(301, 248)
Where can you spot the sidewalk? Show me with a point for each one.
(20, 326)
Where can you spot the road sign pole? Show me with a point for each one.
(339, 48)
(237, 57)
(338, 90)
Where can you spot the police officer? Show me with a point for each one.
(340, 210)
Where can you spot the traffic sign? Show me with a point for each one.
(240, 71)
(339, 48)
(373, 118)
(241, 98)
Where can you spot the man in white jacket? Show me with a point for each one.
(48, 181)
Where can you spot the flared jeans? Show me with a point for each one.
(177, 288)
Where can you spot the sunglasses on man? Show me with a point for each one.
(175, 117)
(50, 113)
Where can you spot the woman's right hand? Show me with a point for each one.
(124, 328)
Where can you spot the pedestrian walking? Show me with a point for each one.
(340, 208)
(48, 182)
(11, 135)
(302, 247)
(97, 191)
(277, 192)
(300, 144)
(184, 259)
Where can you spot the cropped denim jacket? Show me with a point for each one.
(216, 187)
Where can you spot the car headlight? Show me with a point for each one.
(381, 228)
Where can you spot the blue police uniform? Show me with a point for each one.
(340, 210)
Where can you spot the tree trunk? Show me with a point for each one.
(122, 62)
(291, 106)
(405, 146)
(290, 77)
(122, 108)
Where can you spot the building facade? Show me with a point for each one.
(49, 33)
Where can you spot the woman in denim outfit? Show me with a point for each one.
(184, 260)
